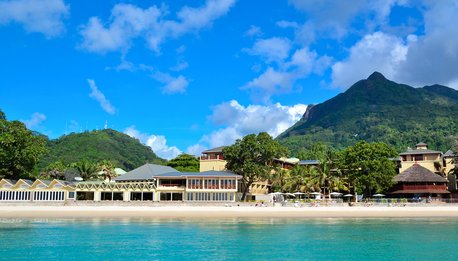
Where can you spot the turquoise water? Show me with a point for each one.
(229, 239)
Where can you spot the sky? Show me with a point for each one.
(185, 76)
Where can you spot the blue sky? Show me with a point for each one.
(183, 76)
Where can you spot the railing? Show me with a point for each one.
(171, 185)
(212, 157)
(211, 187)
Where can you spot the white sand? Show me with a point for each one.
(224, 212)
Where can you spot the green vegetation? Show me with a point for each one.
(252, 158)
(20, 149)
(364, 167)
(379, 110)
(122, 150)
(369, 167)
(185, 163)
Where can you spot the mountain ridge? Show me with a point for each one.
(378, 109)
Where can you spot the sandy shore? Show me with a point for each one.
(224, 212)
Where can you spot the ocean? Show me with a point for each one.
(229, 239)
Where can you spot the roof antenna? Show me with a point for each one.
(106, 125)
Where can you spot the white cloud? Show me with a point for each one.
(433, 57)
(333, 19)
(44, 16)
(235, 121)
(128, 22)
(417, 60)
(275, 49)
(196, 149)
(282, 79)
(157, 143)
(375, 52)
(35, 120)
(253, 31)
(287, 24)
(172, 84)
(180, 66)
(97, 95)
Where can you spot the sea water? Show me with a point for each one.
(229, 239)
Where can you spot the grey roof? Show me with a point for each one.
(210, 173)
(28, 181)
(449, 153)
(417, 173)
(214, 150)
(421, 144)
(47, 182)
(145, 172)
(12, 182)
(420, 151)
(309, 162)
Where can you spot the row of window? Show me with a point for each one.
(211, 184)
(37, 195)
(207, 196)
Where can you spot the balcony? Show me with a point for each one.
(212, 157)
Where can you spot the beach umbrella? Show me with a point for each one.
(378, 195)
(299, 194)
(315, 193)
(290, 194)
(336, 194)
(348, 195)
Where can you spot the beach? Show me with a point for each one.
(226, 212)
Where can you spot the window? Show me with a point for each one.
(418, 157)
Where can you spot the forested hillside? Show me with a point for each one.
(124, 151)
(377, 109)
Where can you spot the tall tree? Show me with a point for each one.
(252, 157)
(369, 166)
(185, 162)
(55, 170)
(316, 151)
(87, 170)
(107, 169)
(20, 150)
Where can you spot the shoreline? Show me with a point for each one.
(206, 212)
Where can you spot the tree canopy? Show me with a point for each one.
(185, 162)
(252, 157)
(20, 149)
(369, 166)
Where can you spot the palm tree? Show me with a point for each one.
(299, 179)
(107, 168)
(86, 169)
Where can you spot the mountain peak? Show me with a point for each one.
(376, 76)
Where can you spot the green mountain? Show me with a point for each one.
(126, 152)
(377, 109)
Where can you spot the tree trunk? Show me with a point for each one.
(245, 190)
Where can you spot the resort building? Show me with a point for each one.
(213, 160)
(149, 182)
(419, 181)
(36, 191)
(429, 159)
